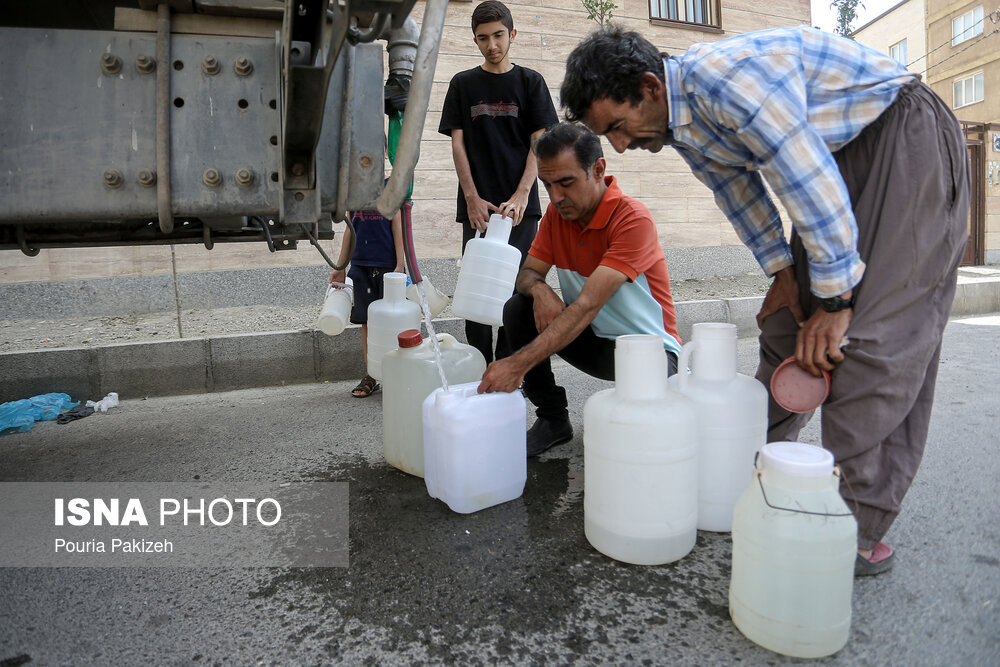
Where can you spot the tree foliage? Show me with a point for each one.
(599, 10)
(846, 13)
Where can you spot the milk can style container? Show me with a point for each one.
(489, 269)
(411, 373)
(474, 447)
(640, 460)
(794, 547)
(387, 317)
(732, 420)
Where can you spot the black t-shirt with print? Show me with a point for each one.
(497, 114)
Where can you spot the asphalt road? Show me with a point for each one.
(517, 583)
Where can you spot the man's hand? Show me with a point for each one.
(479, 211)
(514, 207)
(783, 293)
(817, 347)
(503, 375)
(338, 275)
(547, 305)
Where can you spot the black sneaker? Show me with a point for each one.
(547, 433)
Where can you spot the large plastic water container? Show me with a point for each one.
(475, 452)
(336, 312)
(411, 374)
(489, 270)
(732, 420)
(387, 318)
(640, 445)
(436, 299)
(794, 547)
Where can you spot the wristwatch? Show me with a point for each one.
(835, 304)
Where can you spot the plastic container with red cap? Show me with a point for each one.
(411, 374)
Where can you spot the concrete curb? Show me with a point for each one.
(242, 361)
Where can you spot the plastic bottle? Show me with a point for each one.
(387, 317)
(640, 460)
(436, 299)
(474, 447)
(732, 420)
(794, 547)
(411, 374)
(486, 279)
(336, 312)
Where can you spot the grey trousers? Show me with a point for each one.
(907, 176)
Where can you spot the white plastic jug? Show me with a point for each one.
(640, 445)
(436, 299)
(794, 547)
(387, 317)
(732, 420)
(475, 451)
(411, 373)
(486, 279)
(336, 312)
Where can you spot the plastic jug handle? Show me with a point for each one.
(683, 364)
(446, 340)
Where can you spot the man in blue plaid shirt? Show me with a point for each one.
(871, 167)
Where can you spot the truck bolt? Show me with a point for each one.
(145, 64)
(146, 178)
(298, 169)
(110, 63)
(212, 178)
(244, 176)
(210, 66)
(243, 66)
(113, 178)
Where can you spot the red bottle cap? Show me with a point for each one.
(409, 338)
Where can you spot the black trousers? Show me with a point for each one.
(480, 336)
(588, 352)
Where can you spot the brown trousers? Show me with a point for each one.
(907, 176)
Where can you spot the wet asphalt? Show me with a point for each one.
(513, 584)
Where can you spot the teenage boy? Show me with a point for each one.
(492, 113)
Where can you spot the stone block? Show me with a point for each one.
(240, 361)
(166, 368)
(30, 373)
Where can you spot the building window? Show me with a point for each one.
(968, 90)
(898, 51)
(967, 26)
(688, 13)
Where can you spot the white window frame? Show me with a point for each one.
(898, 51)
(960, 89)
(967, 26)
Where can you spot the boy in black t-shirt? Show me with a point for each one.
(492, 113)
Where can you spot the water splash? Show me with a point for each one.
(428, 320)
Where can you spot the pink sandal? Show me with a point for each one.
(882, 560)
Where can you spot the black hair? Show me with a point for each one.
(607, 64)
(585, 144)
(490, 11)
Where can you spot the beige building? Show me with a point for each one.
(684, 209)
(955, 46)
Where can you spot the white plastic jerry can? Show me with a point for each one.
(731, 410)
(387, 318)
(794, 547)
(489, 270)
(640, 460)
(475, 449)
(411, 373)
(336, 312)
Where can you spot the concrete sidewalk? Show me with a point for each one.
(274, 358)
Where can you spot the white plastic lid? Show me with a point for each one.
(796, 459)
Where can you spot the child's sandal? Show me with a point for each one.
(366, 387)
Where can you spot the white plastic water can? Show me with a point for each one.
(731, 409)
(387, 318)
(436, 299)
(475, 452)
(640, 460)
(411, 374)
(336, 312)
(794, 547)
(489, 270)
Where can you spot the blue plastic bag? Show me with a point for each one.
(21, 415)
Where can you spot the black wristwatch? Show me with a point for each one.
(835, 304)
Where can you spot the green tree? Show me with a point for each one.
(846, 13)
(599, 10)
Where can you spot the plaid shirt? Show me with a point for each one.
(778, 103)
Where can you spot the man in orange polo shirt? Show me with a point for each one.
(612, 274)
